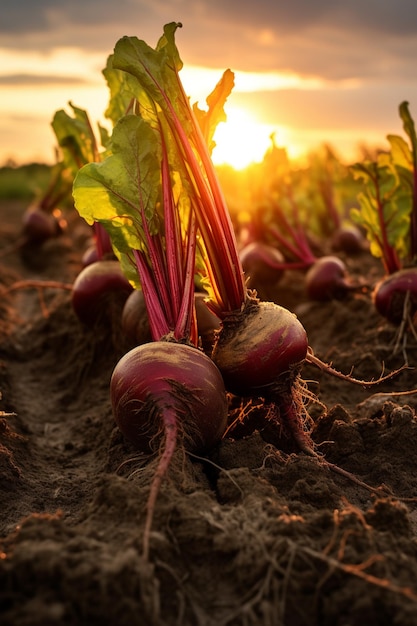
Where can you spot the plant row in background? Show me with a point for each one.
(189, 266)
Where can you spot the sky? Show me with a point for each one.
(311, 72)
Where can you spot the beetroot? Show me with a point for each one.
(260, 352)
(327, 280)
(90, 255)
(39, 226)
(96, 287)
(390, 295)
(135, 321)
(257, 346)
(348, 239)
(155, 383)
(166, 394)
(262, 264)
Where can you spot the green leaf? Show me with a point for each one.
(409, 128)
(75, 137)
(208, 120)
(163, 102)
(124, 190)
(384, 210)
(153, 68)
(400, 151)
(400, 160)
(122, 91)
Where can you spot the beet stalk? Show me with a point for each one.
(152, 194)
(388, 212)
(240, 311)
(166, 394)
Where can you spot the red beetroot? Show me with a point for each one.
(97, 285)
(154, 384)
(90, 255)
(164, 395)
(260, 352)
(327, 280)
(135, 321)
(39, 226)
(348, 239)
(392, 292)
(258, 345)
(43, 219)
(262, 264)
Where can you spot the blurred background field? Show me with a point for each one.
(23, 182)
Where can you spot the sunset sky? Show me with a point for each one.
(322, 71)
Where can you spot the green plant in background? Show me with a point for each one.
(23, 182)
(388, 200)
(388, 212)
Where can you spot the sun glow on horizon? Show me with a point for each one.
(198, 81)
(33, 86)
(60, 62)
(243, 139)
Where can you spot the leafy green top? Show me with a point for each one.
(157, 183)
(388, 202)
(161, 158)
(160, 92)
(76, 138)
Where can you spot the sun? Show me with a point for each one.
(241, 140)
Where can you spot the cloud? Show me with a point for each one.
(383, 16)
(333, 39)
(50, 23)
(378, 16)
(367, 109)
(36, 80)
(356, 57)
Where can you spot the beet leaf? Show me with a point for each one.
(405, 158)
(141, 203)
(76, 138)
(189, 133)
(388, 201)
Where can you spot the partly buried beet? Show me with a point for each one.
(96, 287)
(395, 296)
(164, 395)
(168, 388)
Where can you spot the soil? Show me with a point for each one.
(254, 533)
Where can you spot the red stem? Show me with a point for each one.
(173, 244)
(326, 191)
(157, 265)
(212, 214)
(157, 317)
(102, 239)
(166, 269)
(413, 223)
(389, 257)
(186, 320)
(306, 257)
